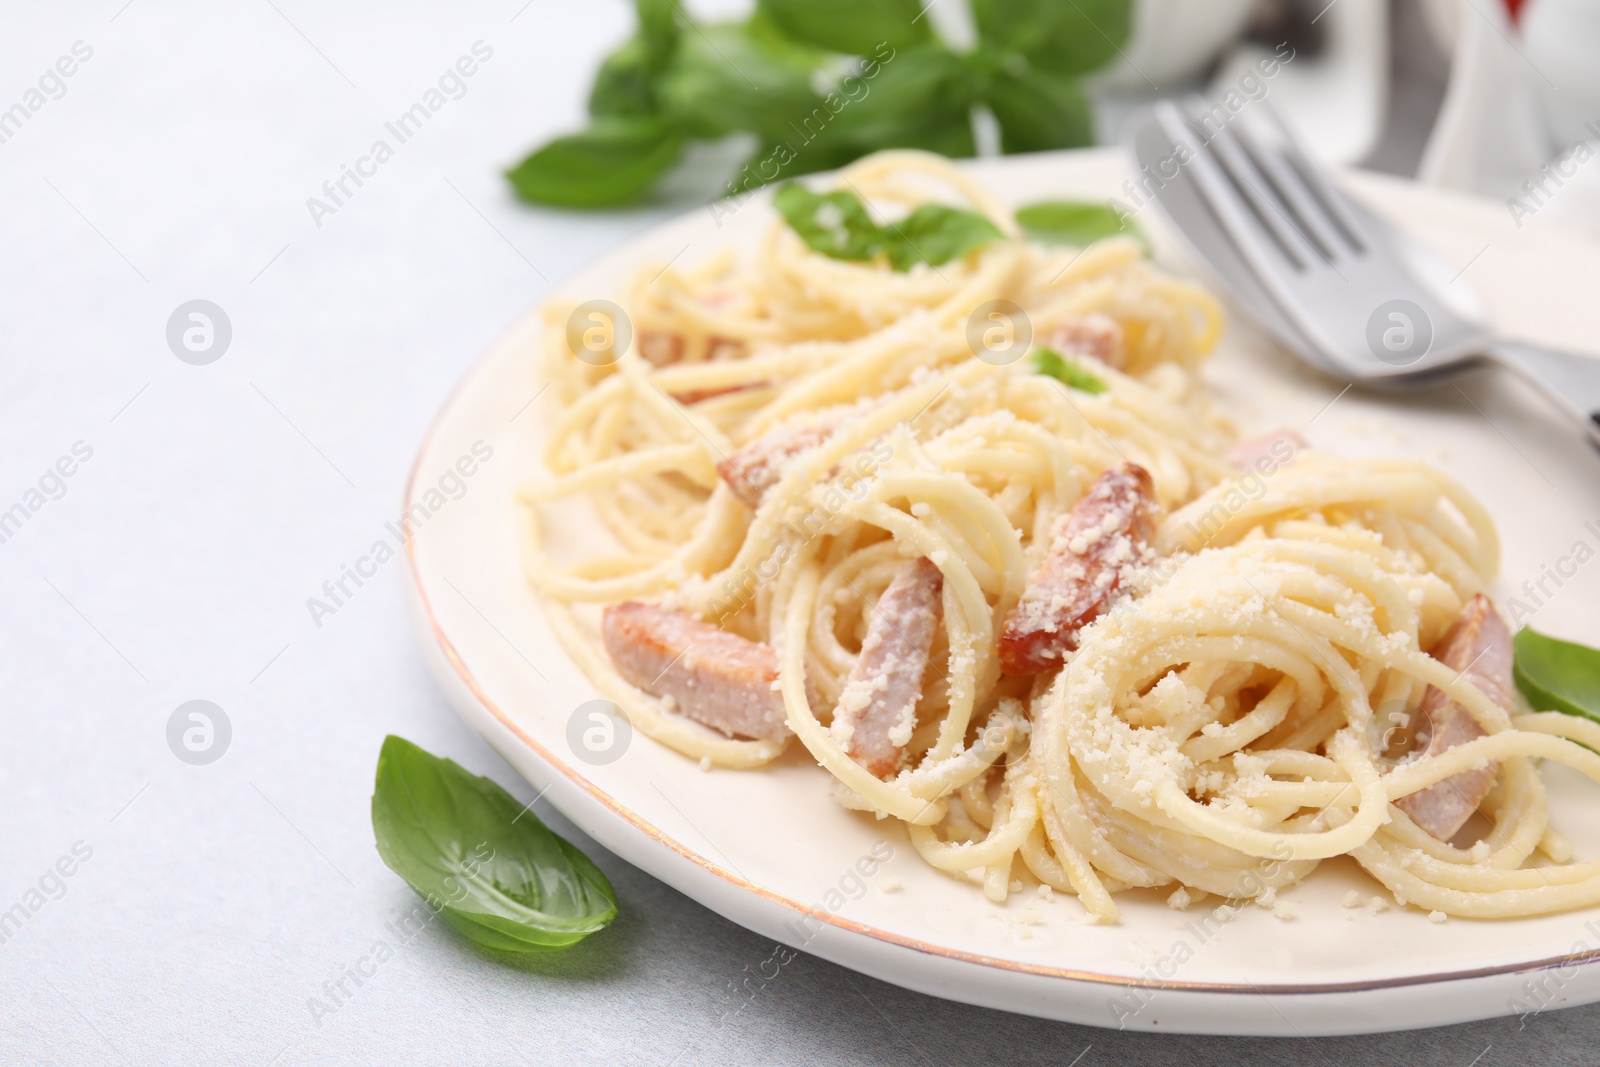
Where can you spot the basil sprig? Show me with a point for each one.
(490, 868)
(821, 83)
(1075, 222)
(622, 157)
(1066, 39)
(850, 26)
(1557, 675)
(1037, 110)
(1067, 371)
(837, 224)
(739, 76)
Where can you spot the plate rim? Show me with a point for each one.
(433, 631)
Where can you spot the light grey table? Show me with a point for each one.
(210, 905)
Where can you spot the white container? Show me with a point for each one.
(1561, 39)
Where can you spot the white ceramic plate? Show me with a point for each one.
(772, 852)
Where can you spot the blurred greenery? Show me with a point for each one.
(739, 76)
(837, 224)
(618, 159)
(1064, 37)
(821, 83)
(849, 26)
(1066, 371)
(1076, 222)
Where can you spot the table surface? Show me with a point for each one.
(212, 907)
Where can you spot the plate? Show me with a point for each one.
(771, 851)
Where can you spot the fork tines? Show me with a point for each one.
(1256, 177)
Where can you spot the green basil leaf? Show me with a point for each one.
(1557, 675)
(626, 82)
(1075, 222)
(835, 224)
(613, 162)
(491, 869)
(1068, 372)
(935, 234)
(659, 26)
(740, 76)
(855, 27)
(625, 85)
(910, 98)
(1039, 111)
(1067, 38)
(916, 97)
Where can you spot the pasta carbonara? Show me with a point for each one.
(1068, 629)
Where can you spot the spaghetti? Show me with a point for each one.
(792, 443)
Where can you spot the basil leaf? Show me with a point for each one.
(1068, 372)
(658, 23)
(855, 27)
(1067, 38)
(740, 76)
(918, 97)
(935, 234)
(835, 224)
(626, 81)
(1075, 222)
(613, 162)
(1557, 675)
(1038, 111)
(491, 869)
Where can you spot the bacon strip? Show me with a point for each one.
(878, 706)
(660, 348)
(714, 677)
(1096, 335)
(756, 467)
(1478, 645)
(1268, 451)
(694, 396)
(663, 348)
(1093, 549)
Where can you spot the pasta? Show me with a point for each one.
(788, 433)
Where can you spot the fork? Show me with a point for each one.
(1332, 282)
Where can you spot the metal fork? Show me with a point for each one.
(1335, 284)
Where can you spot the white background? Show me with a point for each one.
(177, 566)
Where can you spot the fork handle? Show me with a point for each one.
(1571, 382)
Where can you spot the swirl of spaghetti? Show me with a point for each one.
(1064, 635)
